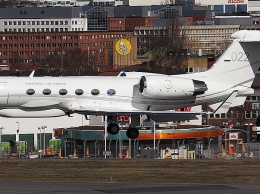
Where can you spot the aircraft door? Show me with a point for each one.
(3, 93)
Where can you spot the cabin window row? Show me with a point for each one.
(78, 92)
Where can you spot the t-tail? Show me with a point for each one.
(239, 64)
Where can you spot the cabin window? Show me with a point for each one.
(30, 91)
(63, 92)
(46, 91)
(95, 92)
(79, 92)
(111, 92)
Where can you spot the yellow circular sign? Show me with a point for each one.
(123, 47)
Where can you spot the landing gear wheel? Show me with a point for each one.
(113, 128)
(132, 133)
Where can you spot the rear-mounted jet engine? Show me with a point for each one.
(170, 87)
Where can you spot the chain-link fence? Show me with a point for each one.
(175, 149)
(160, 149)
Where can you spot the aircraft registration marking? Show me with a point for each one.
(239, 56)
(45, 84)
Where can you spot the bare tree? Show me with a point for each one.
(168, 50)
(69, 62)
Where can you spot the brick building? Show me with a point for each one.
(128, 24)
(32, 48)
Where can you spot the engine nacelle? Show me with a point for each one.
(170, 87)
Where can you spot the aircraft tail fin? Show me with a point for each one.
(239, 64)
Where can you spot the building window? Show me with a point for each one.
(46, 91)
(30, 91)
(97, 19)
(248, 114)
(79, 92)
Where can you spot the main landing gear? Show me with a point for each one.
(131, 133)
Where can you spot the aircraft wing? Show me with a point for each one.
(107, 111)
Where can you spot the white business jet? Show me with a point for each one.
(224, 85)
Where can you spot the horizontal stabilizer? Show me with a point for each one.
(238, 101)
(215, 106)
(224, 106)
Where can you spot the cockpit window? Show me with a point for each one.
(30, 91)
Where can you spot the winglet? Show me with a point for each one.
(224, 106)
(32, 74)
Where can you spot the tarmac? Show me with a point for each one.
(118, 188)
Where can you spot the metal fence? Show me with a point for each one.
(178, 149)
(162, 150)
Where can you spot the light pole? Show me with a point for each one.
(1, 131)
(225, 130)
(44, 127)
(40, 143)
(18, 139)
(105, 136)
(248, 137)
